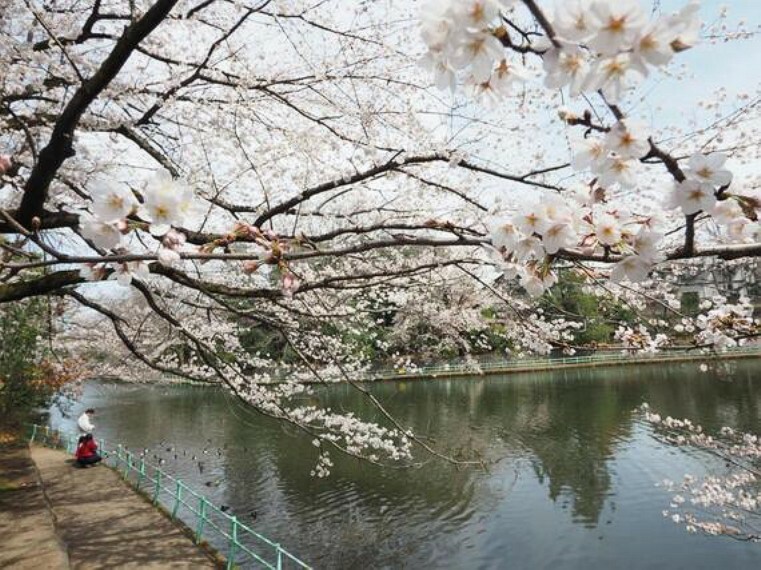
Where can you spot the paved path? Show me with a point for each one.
(102, 523)
(28, 537)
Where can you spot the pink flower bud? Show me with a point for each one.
(5, 163)
(243, 229)
(250, 267)
(173, 239)
(290, 284)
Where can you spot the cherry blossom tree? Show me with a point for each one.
(283, 168)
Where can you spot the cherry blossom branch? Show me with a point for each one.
(59, 147)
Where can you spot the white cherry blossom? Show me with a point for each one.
(506, 76)
(654, 45)
(478, 52)
(437, 24)
(503, 235)
(566, 66)
(686, 26)
(619, 170)
(111, 201)
(444, 75)
(589, 152)
(560, 235)
(92, 271)
(171, 244)
(167, 256)
(167, 202)
(628, 139)
(572, 20)
(531, 219)
(693, 196)
(528, 248)
(726, 211)
(536, 284)
(103, 235)
(557, 209)
(476, 14)
(124, 272)
(709, 169)
(632, 268)
(740, 229)
(646, 244)
(607, 229)
(615, 24)
(614, 75)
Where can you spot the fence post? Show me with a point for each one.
(279, 557)
(178, 497)
(141, 476)
(34, 433)
(157, 488)
(118, 455)
(233, 542)
(201, 518)
(128, 465)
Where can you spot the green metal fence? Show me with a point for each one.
(241, 546)
(469, 368)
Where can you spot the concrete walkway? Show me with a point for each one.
(101, 523)
(28, 537)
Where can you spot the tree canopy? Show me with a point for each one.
(249, 191)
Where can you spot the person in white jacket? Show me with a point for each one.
(85, 421)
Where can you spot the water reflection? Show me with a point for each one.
(571, 481)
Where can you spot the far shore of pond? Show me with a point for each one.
(549, 364)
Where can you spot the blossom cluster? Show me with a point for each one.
(323, 465)
(721, 324)
(538, 231)
(463, 36)
(728, 505)
(614, 159)
(354, 435)
(610, 45)
(727, 325)
(640, 339)
(598, 44)
(267, 250)
(705, 190)
(165, 203)
(731, 500)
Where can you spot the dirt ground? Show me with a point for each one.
(55, 515)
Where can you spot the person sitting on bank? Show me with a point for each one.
(85, 421)
(87, 451)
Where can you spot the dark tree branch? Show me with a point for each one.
(60, 145)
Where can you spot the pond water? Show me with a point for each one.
(572, 483)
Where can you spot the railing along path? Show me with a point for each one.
(528, 364)
(242, 546)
